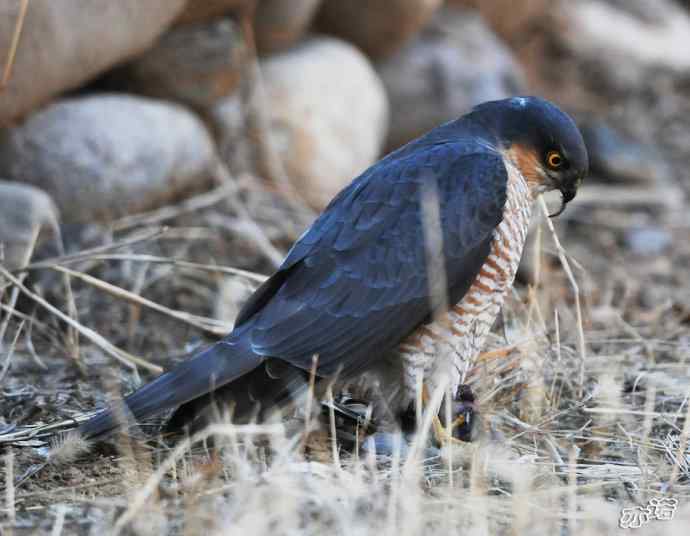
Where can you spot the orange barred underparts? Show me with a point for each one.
(451, 342)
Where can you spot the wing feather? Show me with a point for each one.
(356, 283)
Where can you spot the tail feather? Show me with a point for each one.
(270, 387)
(214, 367)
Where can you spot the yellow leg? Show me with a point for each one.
(442, 435)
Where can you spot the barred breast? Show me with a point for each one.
(449, 344)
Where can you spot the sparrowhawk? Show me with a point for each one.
(355, 294)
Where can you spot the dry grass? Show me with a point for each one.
(582, 415)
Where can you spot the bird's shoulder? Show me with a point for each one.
(468, 175)
(372, 233)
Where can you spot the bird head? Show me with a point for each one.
(541, 140)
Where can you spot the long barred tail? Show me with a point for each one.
(214, 367)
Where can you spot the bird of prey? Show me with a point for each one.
(358, 292)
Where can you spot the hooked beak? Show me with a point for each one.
(567, 195)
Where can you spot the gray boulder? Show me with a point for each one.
(24, 212)
(105, 156)
(327, 115)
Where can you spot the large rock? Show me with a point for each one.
(379, 27)
(278, 24)
(195, 63)
(327, 114)
(65, 43)
(24, 210)
(455, 63)
(105, 156)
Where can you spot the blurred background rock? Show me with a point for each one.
(114, 108)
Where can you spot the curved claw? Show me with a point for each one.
(460, 430)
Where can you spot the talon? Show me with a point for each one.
(462, 428)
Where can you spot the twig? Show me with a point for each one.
(331, 419)
(572, 489)
(649, 404)
(256, 108)
(87, 253)
(636, 412)
(9, 488)
(59, 520)
(682, 448)
(29, 344)
(191, 204)
(254, 231)
(562, 256)
(213, 268)
(215, 327)
(433, 250)
(10, 352)
(42, 430)
(310, 400)
(10, 311)
(425, 424)
(124, 357)
(9, 63)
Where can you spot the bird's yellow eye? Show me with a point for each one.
(554, 159)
